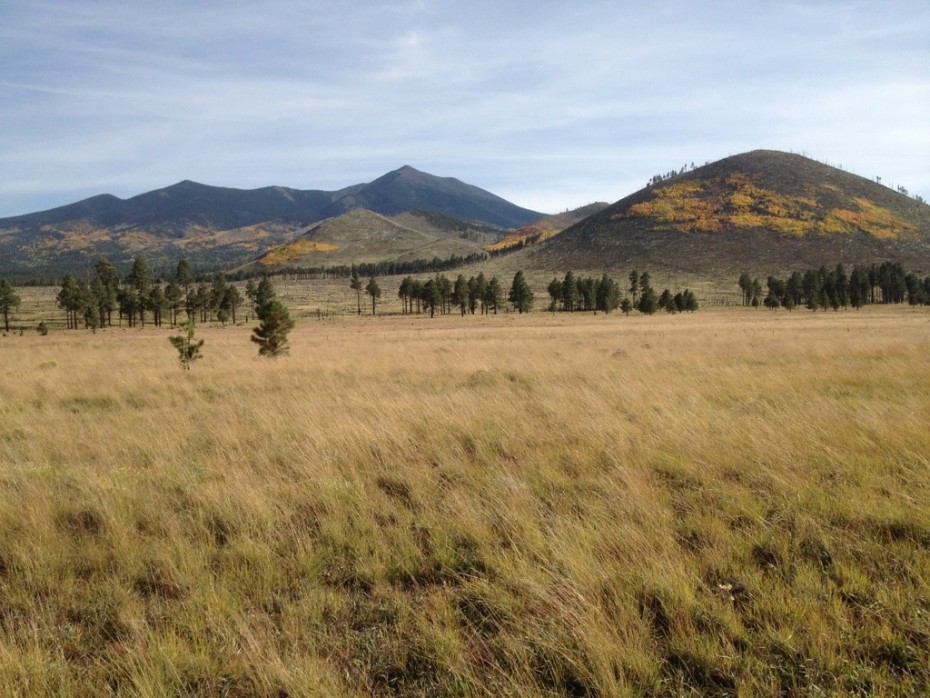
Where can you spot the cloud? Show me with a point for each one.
(559, 106)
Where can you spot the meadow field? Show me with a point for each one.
(733, 502)
(330, 298)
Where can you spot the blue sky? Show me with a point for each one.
(551, 105)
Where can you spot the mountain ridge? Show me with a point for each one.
(217, 226)
(140, 208)
(763, 211)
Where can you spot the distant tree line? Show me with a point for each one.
(578, 294)
(92, 304)
(476, 294)
(481, 295)
(372, 269)
(835, 288)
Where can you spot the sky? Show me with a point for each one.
(551, 105)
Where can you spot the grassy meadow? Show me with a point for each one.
(727, 503)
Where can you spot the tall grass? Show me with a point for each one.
(724, 503)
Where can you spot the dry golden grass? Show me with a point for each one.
(732, 502)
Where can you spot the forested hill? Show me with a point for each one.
(220, 227)
(765, 211)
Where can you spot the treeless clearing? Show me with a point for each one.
(730, 501)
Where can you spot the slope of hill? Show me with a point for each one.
(215, 226)
(362, 236)
(763, 211)
(441, 225)
(544, 228)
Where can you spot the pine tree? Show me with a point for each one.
(185, 280)
(793, 289)
(569, 292)
(810, 288)
(460, 293)
(416, 294)
(9, 300)
(634, 285)
(444, 287)
(373, 290)
(126, 302)
(139, 282)
(858, 287)
(430, 296)
(251, 291)
(555, 294)
(107, 279)
(667, 301)
(201, 300)
(271, 334)
(88, 307)
(188, 348)
(607, 296)
(69, 300)
(755, 294)
(493, 295)
(691, 302)
(521, 295)
(157, 302)
(745, 284)
(174, 297)
(262, 294)
(587, 293)
(481, 289)
(356, 285)
(474, 294)
(842, 285)
(232, 299)
(648, 302)
(218, 291)
(405, 293)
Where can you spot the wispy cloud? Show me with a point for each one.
(556, 107)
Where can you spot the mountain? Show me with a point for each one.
(220, 227)
(762, 211)
(361, 235)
